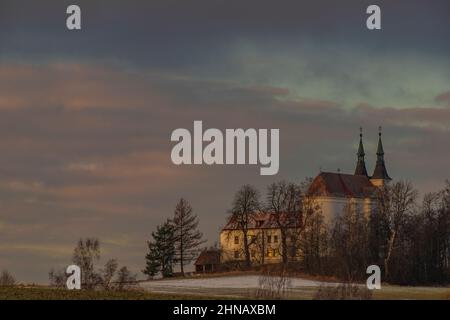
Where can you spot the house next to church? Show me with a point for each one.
(332, 192)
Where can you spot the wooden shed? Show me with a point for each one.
(208, 261)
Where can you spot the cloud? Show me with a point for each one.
(73, 87)
(86, 151)
(85, 118)
(443, 97)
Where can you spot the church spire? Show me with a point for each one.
(380, 172)
(361, 164)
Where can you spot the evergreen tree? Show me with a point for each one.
(152, 258)
(187, 236)
(161, 256)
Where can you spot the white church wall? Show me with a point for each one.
(333, 207)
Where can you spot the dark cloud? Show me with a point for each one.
(86, 117)
(187, 35)
(81, 167)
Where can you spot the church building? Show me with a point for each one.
(332, 192)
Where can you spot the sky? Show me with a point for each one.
(86, 116)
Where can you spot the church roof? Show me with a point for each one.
(341, 185)
(361, 164)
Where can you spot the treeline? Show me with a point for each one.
(86, 254)
(7, 279)
(409, 241)
(175, 242)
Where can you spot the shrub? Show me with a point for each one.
(345, 291)
(6, 279)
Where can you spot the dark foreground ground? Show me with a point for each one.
(41, 293)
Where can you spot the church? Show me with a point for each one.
(332, 192)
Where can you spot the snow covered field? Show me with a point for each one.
(245, 286)
(228, 286)
(233, 282)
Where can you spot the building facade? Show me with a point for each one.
(264, 238)
(332, 192)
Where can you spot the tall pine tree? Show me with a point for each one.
(161, 256)
(187, 236)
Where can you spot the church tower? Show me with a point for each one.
(361, 164)
(380, 175)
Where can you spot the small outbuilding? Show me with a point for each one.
(208, 261)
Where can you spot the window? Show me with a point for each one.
(275, 239)
(236, 254)
(269, 239)
(236, 239)
(272, 252)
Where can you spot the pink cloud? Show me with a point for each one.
(443, 97)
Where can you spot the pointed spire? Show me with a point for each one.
(361, 164)
(380, 171)
(361, 147)
(380, 151)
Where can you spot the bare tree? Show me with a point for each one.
(273, 285)
(309, 209)
(7, 279)
(344, 291)
(108, 273)
(396, 202)
(314, 243)
(246, 205)
(57, 278)
(434, 242)
(284, 202)
(125, 278)
(349, 243)
(85, 254)
(187, 237)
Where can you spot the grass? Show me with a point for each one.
(387, 292)
(42, 293)
(390, 292)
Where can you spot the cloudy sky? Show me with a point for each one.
(86, 116)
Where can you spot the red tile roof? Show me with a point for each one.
(341, 185)
(325, 184)
(264, 221)
(208, 257)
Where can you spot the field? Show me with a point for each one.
(213, 287)
(40, 293)
(246, 286)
